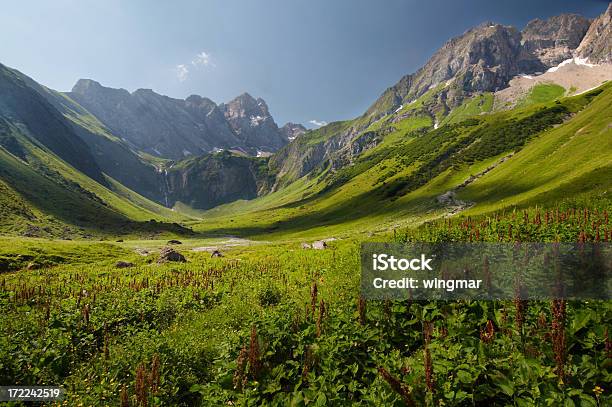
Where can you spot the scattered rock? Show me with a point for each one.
(319, 245)
(216, 253)
(306, 246)
(32, 266)
(123, 264)
(174, 242)
(169, 254)
(142, 252)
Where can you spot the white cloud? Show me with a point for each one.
(182, 72)
(318, 123)
(202, 59)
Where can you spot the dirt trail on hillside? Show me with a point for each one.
(449, 198)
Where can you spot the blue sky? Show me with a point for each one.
(320, 60)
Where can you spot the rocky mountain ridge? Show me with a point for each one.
(178, 128)
(485, 58)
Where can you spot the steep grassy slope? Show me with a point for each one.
(45, 196)
(48, 204)
(23, 106)
(563, 162)
(489, 161)
(542, 93)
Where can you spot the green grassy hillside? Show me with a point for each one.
(527, 156)
(45, 196)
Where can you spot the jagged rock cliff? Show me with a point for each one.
(252, 123)
(597, 44)
(214, 179)
(555, 39)
(177, 128)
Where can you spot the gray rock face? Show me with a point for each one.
(252, 123)
(486, 57)
(554, 40)
(292, 130)
(177, 128)
(319, 245)
(597, 43)
(214, 179)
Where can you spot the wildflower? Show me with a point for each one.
(558, 335)
(124, 397)
(597, 390)
(320, 319)
(428, 369)
(308, 363)
(254, 362)
(154, 374)
(239, 376)
(520, 305)
(141, 386)
(397, 386)
(313, 298)
(361, 308)
(488, 333)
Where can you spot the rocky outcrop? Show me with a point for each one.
(555, 39)
(214, 179)
(484, 58)
(304, 156)
(177, 128)
(597, 43)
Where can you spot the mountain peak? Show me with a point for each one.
(245, 97)
(91, 88)
(554, 39)
(246, 105)
(292, 130)
(84, 85)
(486, 57)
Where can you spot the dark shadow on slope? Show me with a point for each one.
(71, 204)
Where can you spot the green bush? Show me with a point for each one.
(269, 295)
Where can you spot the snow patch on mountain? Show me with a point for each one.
(576, 61)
